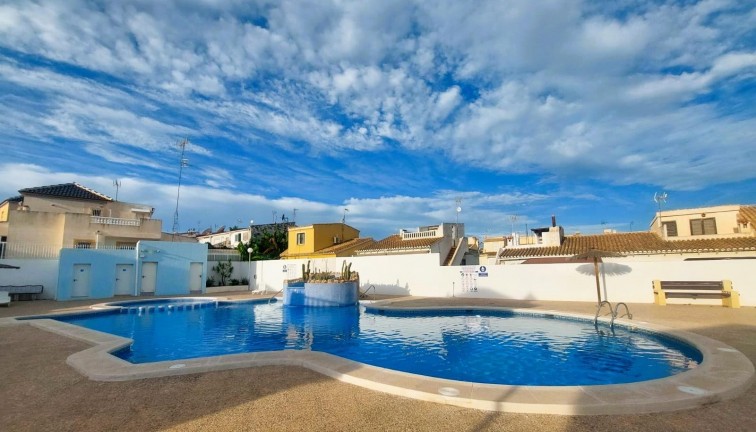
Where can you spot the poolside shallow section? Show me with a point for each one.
(725, 373)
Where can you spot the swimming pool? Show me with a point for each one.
(479, 346)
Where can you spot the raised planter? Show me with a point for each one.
(321, 294)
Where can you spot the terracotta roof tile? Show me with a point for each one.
(335, 249)
(395, 242)
(13, 199)
(631, 243)
(67, 190)
(349, 244)
(748, 213)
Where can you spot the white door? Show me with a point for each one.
(124, 283)
(149, 276)
(195, 277)
(81, 280)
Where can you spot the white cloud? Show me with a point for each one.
(553, 87)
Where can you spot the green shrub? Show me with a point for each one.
(224, 270)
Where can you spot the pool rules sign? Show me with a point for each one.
(470, 275)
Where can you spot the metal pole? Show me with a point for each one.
(249, 256)
(249, 269)
(598, 284)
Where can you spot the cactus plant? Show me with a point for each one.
(306, 272)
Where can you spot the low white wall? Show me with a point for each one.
(420, 275)
(240, 270)
(620, 281)
(32, 272)
(390, 274)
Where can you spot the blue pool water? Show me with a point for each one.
(498, 347)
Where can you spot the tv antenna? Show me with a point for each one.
(294, 217)
(458, 210)
(513, 218)
(183, 163)
(660, 198)
(343, 219)
(117, 184)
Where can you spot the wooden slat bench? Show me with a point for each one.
(695, 290)
(25, 292)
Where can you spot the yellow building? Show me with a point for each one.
(323, 241)
(45, 219)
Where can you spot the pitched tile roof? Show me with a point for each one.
(67, 190)
(395, 242)
(334, 249)
(349, 244)
(632, 243)
(13, 199)
(748, 213)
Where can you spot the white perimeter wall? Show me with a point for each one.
(420, 275)
(239, 270)
(32, 272)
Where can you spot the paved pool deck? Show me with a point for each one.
(46, 393)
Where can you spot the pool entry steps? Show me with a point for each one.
(163, 305)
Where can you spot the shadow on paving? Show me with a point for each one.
(40, 392)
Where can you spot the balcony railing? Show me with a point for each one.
(419, 235)
(223, 255)
(24, 250)
(115, 221)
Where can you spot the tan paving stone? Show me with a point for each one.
(41, 392)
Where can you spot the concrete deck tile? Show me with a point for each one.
(725, 373)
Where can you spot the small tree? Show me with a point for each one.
(267, 245)
(224, 270)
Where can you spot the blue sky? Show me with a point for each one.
(390, 109)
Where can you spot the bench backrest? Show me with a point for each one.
(692, 285)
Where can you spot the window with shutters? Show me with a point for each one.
(705, 226)
(671, 228)
(300, 238)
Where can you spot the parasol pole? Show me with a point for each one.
(598, 284)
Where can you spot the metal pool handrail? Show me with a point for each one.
(616, 312)
(365, 293)
(598, 310)
(274, 295)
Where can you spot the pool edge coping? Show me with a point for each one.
(724, 373)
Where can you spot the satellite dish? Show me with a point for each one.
(459, 209)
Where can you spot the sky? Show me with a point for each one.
(388, 114)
